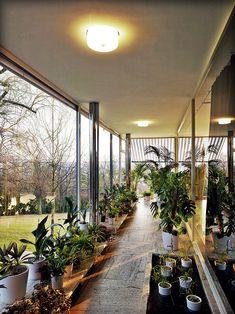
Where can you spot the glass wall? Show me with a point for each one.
(37, 157)
(115, 159)
(104, 159)
(84, 157)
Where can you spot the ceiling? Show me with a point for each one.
(164, 50)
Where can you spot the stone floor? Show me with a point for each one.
(117, 283)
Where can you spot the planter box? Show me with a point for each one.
(226, 279)
(176, 303)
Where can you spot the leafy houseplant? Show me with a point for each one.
(220, 205)
(220, 262)
(185, 280)
(13, 275)
(104, 206)
(186, 261)
(72, 215)
(84, 206)
(175, 208)
(40, 244)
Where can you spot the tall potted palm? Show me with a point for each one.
(175, 207)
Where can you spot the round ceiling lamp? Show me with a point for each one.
(143, 124)
(224, 120)
(102, 38)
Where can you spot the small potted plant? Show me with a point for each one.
(84, 206)
(194, 302)
(112, 213)
(169, 261)
(185, 281)
(166, 271)
(186, 261)
(164, 287)
(220, 262)
(56, 266)
(104, 206)
(13, 275)
(40, 243)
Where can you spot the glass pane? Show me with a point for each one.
(115, 159)
(37, 158)
(104, 159)
(84, 157)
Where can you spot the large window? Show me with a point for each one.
(84, 157)
(115, 159)
(104, 159)
(37, 157)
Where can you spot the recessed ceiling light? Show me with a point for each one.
(224, 121)
(143, 124)
(102, 38)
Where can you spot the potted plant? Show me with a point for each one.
(164, 287)
(175, 208)
(13, 274)
(104, 206)
(220, 206)
(220, 262)
(56, 265)
(169, 261)
(186, 261)
(166, 271)
(84, 207)
(194, 302)
(72, 215)
(40, 245)
(112, 213)
(185, 280)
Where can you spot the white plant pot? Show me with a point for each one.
(194, 305)
(186, 263)
(57, 282)
(170, 241)
(68, 271)
(35, 268)
(170, 262)
(164, 290)
(220, 265)
(166, 272)
(185, 283)
(110, 221)
(15, 286)
(83, 227)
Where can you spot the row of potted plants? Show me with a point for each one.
(173, 270)
(115, 201)
(53, 256)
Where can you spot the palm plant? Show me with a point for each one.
(84, 206)
(176, 207)
(138, 173)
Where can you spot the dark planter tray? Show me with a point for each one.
(225, 277)
(176, 303)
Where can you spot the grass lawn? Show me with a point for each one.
(13, 228)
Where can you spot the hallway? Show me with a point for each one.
(116, 286)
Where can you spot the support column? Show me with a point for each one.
(78, 158)
(128, 160)
(120, 160)
(193, 179)
(94, 159)
(111, 159)
(230, 161)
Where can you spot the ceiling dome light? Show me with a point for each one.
(102, 38)
(224, 121)
(143, 124)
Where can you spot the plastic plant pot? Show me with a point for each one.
(164, 288)
(194, 302)
(220, 265)
(170, 262)
(166, 271)
(186, 262)
(185, 282)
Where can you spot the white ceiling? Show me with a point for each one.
(164, 50)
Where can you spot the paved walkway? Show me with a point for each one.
(116, 286)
